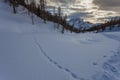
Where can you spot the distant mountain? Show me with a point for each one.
(80, 23)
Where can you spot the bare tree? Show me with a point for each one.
(32, 5)
(14, 4)
(59, 15)
(54, 13)
(28, 6)
(64, 23)
(42, 6)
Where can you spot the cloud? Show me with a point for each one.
(62, 1)
(113, 5)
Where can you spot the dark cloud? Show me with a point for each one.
(108, 4)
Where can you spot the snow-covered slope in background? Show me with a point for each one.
(38, 52)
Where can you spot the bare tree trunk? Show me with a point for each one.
(32, 5)
(14, 6)
(62, 29)
(14, 9)
(59, 15)
(32, 17)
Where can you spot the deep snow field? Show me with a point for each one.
(38, 52)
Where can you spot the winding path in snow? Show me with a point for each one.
(73, 75)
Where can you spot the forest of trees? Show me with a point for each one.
(108, 25)
(40, 11)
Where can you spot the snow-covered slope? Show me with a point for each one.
(38, 52)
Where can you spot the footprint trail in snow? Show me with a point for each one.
(73, 75)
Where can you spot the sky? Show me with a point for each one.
(103, 4)
(108, 4)
(91, 10)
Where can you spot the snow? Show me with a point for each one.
(111, 70)
(78, 52)
(38, 52)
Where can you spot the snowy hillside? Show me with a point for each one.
(38, 52)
